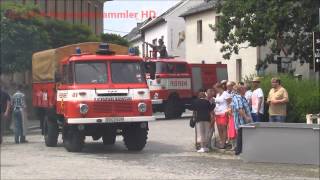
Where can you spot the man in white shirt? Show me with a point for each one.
(248, 94)
(257, 101)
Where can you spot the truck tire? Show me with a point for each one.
(173, 109)
(50, 131)
(109, 139)
(135, 137)
(73, 140)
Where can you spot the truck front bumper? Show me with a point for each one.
(100, 120)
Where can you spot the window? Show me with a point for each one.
(217, 20)
(64, 74)
(35, 2)
(56, 8)
(73, 11)
(65, 9)
(91, 73)
(199, 31)
(171, 68)
(46, 7)
(238, 70)
(95, 19)
(81, 11)
(127, 72)
(89, 13)
(67, 74)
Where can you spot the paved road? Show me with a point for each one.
(169, 154)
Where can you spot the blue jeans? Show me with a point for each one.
(18, 133)
(277, 118)
(257, 117)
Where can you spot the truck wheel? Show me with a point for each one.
(51, 133)
(109, 139)
(135, 138)
(73, 140)
(173, 109)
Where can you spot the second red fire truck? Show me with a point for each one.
(173, 82)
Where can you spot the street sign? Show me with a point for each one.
(316, 51)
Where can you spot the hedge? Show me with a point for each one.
(304, 96)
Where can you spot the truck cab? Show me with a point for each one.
(169, 81)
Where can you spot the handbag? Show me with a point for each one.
(192, 121)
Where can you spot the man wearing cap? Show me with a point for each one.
(257, 100)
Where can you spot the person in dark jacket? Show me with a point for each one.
(202, 108)
(5, 108)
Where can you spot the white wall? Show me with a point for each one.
(137, 43)
(209, 50)
(176, 24)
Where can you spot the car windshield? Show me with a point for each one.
(171, 68)
(91, 72)
(127, 72)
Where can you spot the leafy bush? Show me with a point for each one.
(115, 39)
(304, 96)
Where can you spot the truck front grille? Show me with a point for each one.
(112, 107)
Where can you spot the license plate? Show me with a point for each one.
(114, 119)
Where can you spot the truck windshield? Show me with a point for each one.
(91, 72)
(127, 72)
(171, 68)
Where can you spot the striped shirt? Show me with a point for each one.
(239, 102)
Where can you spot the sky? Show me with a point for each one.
(134, 11)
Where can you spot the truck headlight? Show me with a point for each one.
(142, 107)
(84, 108)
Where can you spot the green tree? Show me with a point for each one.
(62, 33)
(114, 39)
(21, 36)
(286, 25)
(24, 31)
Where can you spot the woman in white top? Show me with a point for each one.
(220, 113)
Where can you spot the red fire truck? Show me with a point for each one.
(100, 93)
(173, 83)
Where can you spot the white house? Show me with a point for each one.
(201, 46)
(170, 27)
(134, 37)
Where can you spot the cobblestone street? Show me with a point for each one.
(169, 154)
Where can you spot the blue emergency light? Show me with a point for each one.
(78, 50)
(132, 51)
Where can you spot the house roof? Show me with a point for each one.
(135, 34)
(205, 6)
(161, 18)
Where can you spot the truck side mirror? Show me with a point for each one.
(57, 77)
